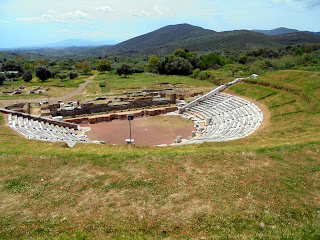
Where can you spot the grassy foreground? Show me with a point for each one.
(266, 186)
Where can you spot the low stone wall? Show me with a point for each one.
(19, 107)
(122, 116)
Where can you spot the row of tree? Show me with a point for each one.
(180, 62)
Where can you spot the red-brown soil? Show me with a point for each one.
(145, 131)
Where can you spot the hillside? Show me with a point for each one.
(264, 186)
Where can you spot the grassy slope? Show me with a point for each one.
(263, 186)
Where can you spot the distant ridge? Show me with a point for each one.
(71, 43)
(282, 30)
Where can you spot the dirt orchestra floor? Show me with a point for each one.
(145, 130)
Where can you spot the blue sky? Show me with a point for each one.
(31, 22)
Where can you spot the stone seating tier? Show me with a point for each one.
(230, 118)
(44, 131)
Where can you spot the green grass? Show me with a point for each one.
(265, 186)
(136, 82)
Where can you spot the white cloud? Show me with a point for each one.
(152, 11)
(52, 16)
(163, 11)
(139, 13)
(105, 9)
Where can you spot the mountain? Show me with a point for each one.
(282, 30)
(161, 37)
(165, 40)
(276, 31)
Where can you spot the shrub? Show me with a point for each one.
(196, 73)
(2, 78)
(103, 84)
(27, 76)
(206, 75)
(43, 73)
(73, 75)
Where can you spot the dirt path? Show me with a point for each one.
(67, 97)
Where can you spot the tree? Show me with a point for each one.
(73, 75)
(62, 76)
(124, 69)
(180, 53)
(243, 59)
(178, 66)
(233, 70)
(12, 66)
(103, 66)
(43, 73)
(86, 67)
(2, 78)
(153, 64)
(27, 76)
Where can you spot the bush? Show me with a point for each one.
(27, 76)
(103, 84)
(73, 75)
(62, 76)
(196, 73)
(43, 73)
(206, 75)
(178, 66)
(2, 78)
(124, 69)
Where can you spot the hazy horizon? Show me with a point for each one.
(35, 22)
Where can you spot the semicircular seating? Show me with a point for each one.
(223, 117)
(44, 131)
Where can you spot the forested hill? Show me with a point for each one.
(165, 40)
(161, 37)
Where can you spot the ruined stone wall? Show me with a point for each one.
(122, 116)
(100, 108)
